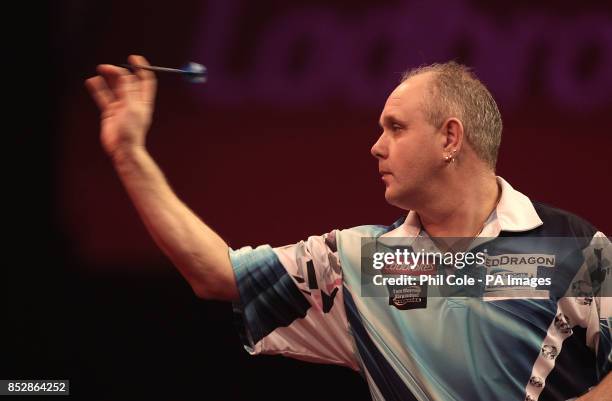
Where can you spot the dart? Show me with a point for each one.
(192, 72)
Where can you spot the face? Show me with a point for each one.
(409, 150)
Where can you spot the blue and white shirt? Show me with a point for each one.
(304, 301)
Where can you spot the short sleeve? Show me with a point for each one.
(599, 262)
(591, 292)
(291, 301)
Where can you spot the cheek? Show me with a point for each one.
(411, 158)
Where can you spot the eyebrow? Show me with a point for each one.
(389, 120)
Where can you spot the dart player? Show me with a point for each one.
(437, 151)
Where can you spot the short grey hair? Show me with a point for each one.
(454, 91)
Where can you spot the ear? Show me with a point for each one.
(452, 129)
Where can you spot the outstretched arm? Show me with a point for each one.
(126, 102)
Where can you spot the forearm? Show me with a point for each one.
(601, 392)
(196, 250)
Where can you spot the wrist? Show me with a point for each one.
(126, 154)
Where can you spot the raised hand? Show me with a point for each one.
(126, 102)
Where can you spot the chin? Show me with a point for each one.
(395, 199)
(391, 198)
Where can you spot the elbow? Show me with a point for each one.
(202, 292)
(216, 293)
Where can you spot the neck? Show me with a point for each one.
(464, 205)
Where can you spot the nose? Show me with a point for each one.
(379, 149)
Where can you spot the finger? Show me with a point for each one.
(99, 92)
(112, 75)
(128, 88)
(148, 82)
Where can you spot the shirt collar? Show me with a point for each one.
(514, 212)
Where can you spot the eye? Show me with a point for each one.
(396, 127)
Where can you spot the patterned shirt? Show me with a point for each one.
(305, 301)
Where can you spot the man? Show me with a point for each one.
(441, 131)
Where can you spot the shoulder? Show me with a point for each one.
(373, 230)
(558, 222)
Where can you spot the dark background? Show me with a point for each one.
(267, 152)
